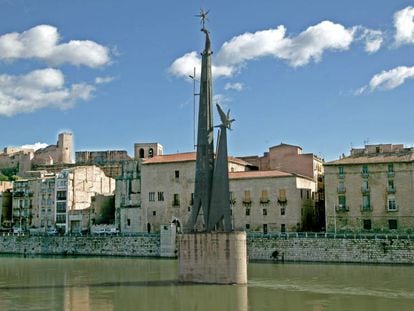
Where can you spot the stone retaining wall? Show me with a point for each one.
(384, 250)
(142, 246)
(352, 250)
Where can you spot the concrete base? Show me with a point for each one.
(216, 258)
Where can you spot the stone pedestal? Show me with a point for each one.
(216, 258)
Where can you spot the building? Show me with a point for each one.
(264, 201)
(5, 204)
(129, 216)
(291, 159)
(147, 150)
(24, 192)
(371, 190)
(25, 159)
(75, 188)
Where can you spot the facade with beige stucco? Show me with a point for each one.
(371, 190)
(264, 201)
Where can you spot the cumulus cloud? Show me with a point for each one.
(297, 51)
(184, 67)
(373, 39)
(388, 80)
(404, 26)
(42, 42)
(34, 146)
(39, 89)
(237, 86)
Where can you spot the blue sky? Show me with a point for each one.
(325, 75)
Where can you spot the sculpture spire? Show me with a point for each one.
(211, 182)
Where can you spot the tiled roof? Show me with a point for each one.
(375, 158)
(259, 174)
(184, 157)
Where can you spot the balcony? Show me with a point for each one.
(366, 208)
(391, 173)
(391, 189)
(365, 174)
(264, 201)
(341, 208)
(282, 201)
(365, 189)
(247, 202)
(341, 189)
(341, 175)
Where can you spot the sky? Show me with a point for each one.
(325, 75)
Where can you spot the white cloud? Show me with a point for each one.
(388, 80)
(39, 89)
(42, 42)
(404, 26)
(297, 51)
(184, 67)
(103, 80)
(221, 98)
(373, 39)
(237, 86)
(34, 146)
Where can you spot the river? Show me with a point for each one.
(107, 283)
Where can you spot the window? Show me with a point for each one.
(177, 174)
(189, 208)
(283, 211)
(151, 197)
(264, 199)
(141, 154)
(60, 219)
(342, 201)
(364, 170)
(192, 199)
(282, 228)
(366, 202)
(391, 168)
(247, 226)
(341, 171)
(150, 152)
(264, 212)
(281, 200)
(61, 195)
(128, 222)
(341, 187)
(392, 224)
(367, 224)
(176, 201)
(160, 196)
(391, 187)
(392, 205)
(154, 213)
(365, 186)
(247, 211)
(232, 199)
(265, 228)
(61, 207)
(247, 200)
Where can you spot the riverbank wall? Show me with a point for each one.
(274, 248)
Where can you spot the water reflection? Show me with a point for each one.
(143, 284)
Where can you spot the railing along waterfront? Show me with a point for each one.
(330, 235)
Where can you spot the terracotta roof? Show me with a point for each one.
(185, 157)
(170, 158)
(285, 145)
(375, 158)
(259, 174)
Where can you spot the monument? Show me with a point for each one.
(211, 252)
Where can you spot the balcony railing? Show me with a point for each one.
(247, 202)
(264, 201)
(390, 189)
(365, 189)
(366, 208)
(391, 173)
(364, 174)
(341, 189)
(282, 201)
(341, 208)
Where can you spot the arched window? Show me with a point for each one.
(150, 152)
(141, 153)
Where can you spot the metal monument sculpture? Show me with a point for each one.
(211, 193)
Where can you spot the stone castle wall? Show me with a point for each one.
(266, 248)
